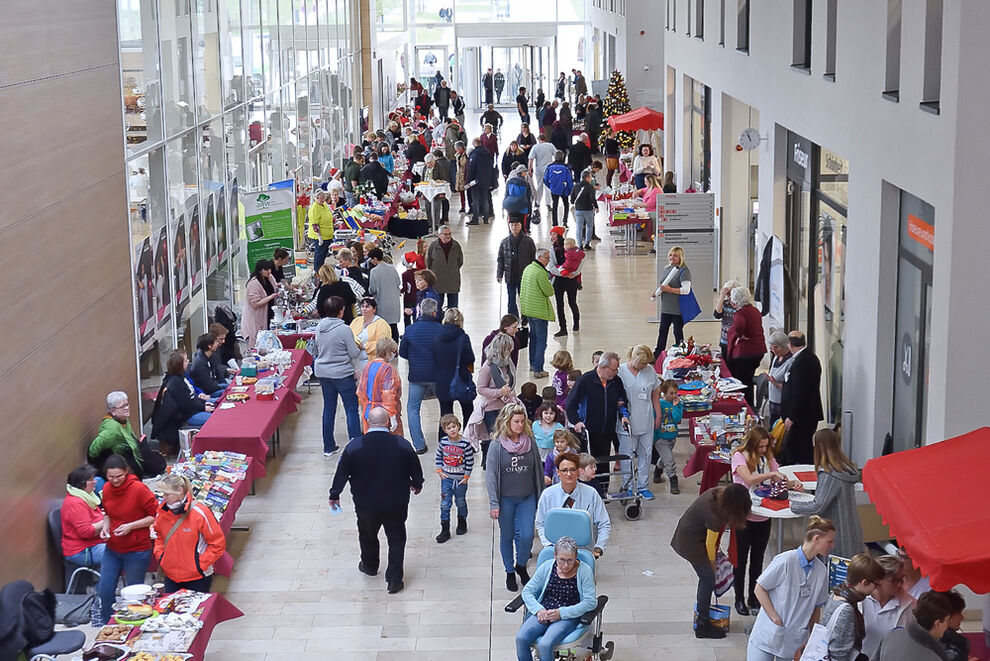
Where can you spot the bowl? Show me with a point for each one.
(135, 593)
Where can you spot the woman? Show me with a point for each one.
(188, 538)
(525, 139)
(696, 540)
(841, 614)
(611, 150)
(675, 281)
(258, 309)
(380, 385)
(460, 179)
(752, 465)
(180, 393)
(668, 183)
(508, 325)
(496, 388)
(566, 120)
(514, 485)
(745, 340)
(116, 436)
(563, 284)
(452, 355)
(725, 311)
(584, 199)
(559, 92)
(424, 281)
(642, 386)
(644, 164)
(82, 519)
(385, 158)
(888, 607)
(780, 366)
(650, 191)
(129, 510)
(333, 364)
(790, 592)
(562, 590)
(369, 329)
(332, 285)
(512, 157)
(560, 137)
(835, 494)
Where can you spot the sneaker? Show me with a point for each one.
(331, 452)
(540, 375)
(646, 494)
(561, 333)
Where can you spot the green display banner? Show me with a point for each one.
(268, 222)
(265, 249)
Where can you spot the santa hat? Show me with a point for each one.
(413, 260)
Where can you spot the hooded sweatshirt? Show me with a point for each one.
(131, 501)
(835, 500)
(336, 349)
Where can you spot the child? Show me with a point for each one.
(529, 398)
(412, 261)
(572, 260)
(564, 364)
(545, 427)
(594, 358)
(455, 459)
(563, 441)
(572, 378)
(587, 469)
(664, 437)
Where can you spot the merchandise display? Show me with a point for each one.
(213, 476)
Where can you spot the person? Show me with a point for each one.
(179, 392)
(563, 441)
(530, 398)
(82, 519)
(560, 183)
(841, 612)
(492, 117)
(565, 267)
(373, 172)
(129, 510)
(674, 282)
(514, 484)
(955, 644)
(546, 113)
(540, 158)
(611, 150)
(352, 175)
(560, 137)
(515, 253)
(507, 325)
(522, 106)
(441, 97)
(545, 424)
(499, 81)
(487, 81)
(780, 367)
(384, 285)
(526, 140)
(562, 590)
(563, 364)
(535, 294)
(201, 369)
(424, 280)
(579, 156)
(332, 285)
(597, 403)
(445, 259)
(320, 227)
(919, 640)
(724, 311)
(835, 494)
(580, 84)
(438, 169)
(454, 463)
(513, 157)
(801, 402)
(460, 163)
(887, 607)
(561, 86)
(668, 183)
(260, 295)
(790, 592)
(115, 436)
(650, 191)
(665, 435)
(745, 340)
(568, 493)
(480, 172)
(696, 540)
(417, 347)
(368, 329)
(382, 470)
(333, 365)
(188, 537)
(452, 355)
(642, 386)
(280, 257)
(489, 140)
(415, 153)
(496, 389)
(518, 199)
(385, 158)
(644, 164)
(583, 197)
(457, 106)
(593, 120)
(381, 386)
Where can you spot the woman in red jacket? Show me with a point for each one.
(82, 519)
(129, 510)
(745, 339)
(188, 538)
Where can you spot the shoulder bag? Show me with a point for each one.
(461, 389)
(689, 305)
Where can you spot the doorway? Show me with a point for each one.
(514, 67)
(430, 60)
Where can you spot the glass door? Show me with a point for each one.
(430, 60)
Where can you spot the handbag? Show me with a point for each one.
(523, 336)
(723, 574)
(689, 306)
(461, 389)
(611, 162)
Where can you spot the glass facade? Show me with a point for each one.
(220, 96)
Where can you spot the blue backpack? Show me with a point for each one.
(515, 197)
(558, 179)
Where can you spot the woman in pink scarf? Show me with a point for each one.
(514, 480)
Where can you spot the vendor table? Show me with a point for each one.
(782, 515)
(289, 340)
(247, 427)
(713, 469)
(216, 609)
(729, 405)
(630, 227)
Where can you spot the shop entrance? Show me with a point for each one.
(513, 67)
(430, 60)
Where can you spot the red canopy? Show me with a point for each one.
(934, 499)
(646, 119)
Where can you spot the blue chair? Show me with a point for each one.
(63, 642)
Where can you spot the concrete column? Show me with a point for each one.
(732, 169)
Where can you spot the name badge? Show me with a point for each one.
(644, 395)
(805, 591)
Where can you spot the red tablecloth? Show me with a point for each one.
(727, 405)
(978, 645)
(216, 610)
(289, 340)
(247, 427)
(712, 472)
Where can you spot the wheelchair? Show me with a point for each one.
(585, 642)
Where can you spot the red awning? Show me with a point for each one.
(934, 499)
(646, 119)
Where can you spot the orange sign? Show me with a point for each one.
(921, 231)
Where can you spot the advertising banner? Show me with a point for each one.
(163, 279)
(144, 290)
(268, 221)
(194, 257)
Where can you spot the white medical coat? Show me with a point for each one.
(795, 597)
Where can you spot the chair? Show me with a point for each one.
(585, 642)
(69, 569)
(63, 642)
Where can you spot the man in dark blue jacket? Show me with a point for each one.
(383, 471)
(417, 347)
(201, 369)
(481, 173)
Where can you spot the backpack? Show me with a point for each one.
(558, 180)
(515, 196)
(27, 618)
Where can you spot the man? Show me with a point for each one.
(201, 368)
(522, 106)
(415, 151)
(571, 494)
(384, 284)
(800, 402)
(445, 258)
(417, 347)
(593, 120)
(918, 641)
(488, 83)
(490, 140)
(376, 174)
(580, 84)
(442, 98)
(383, 471)
(480, 171)
(352, 175)
(535, 294)
(457, 105)
(548, 115)
(321, 227)
(579, 156)
(281, 258)
(499, 85)
(595, 403)
(493, 117)
(515, 253)
(540, 158)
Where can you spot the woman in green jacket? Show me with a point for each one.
(116, 436)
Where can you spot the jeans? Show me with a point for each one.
(566, 286)
(393, 519)
(537, 343)
(706, 586)
(198, 419)
(639, 180)
(322, 250)
(513, 290)
(132, 565)
(415, 402)
(665, 448)
(91, 557)
(347, 389)
(350, 198)
(567, 205)
(451, 299)
(546, 637)
(751, 546)
(199, 585)
(516, 522)
(666, 320)
(452, 490)
(585, 221)
(482, 202)
(637, 446)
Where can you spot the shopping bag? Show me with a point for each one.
(689, 306)
(723, 574)
(816, 648)
(523, 336)
(718, 616)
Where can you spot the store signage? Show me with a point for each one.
(799, 166)
(921, 231)
(801, 157)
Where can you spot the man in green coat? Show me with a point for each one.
(535, 292)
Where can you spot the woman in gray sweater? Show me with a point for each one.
(841, 615)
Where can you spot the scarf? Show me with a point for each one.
(90, 499)
(520, 446)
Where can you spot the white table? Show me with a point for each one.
(789, 471)
(781, 515)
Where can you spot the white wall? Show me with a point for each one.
(643, 51)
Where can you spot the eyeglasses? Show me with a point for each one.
(567, 470)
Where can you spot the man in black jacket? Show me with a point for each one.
(579, 157)
(383, 470)
(493, 117)
(596, 403)
(593, 124)
(480, 172)
(201, 370)
(515, 253)
(376, 174)
(801, 402)
(442, 98)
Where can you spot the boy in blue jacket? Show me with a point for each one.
(560, 182)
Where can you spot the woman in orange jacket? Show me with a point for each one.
(380, 385)
(189, 538)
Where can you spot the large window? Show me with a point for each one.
(701, 136)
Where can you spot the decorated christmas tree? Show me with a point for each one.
(616, 102)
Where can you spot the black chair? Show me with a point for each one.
(69, 569)
(63, 642)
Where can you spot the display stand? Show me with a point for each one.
(688, 220)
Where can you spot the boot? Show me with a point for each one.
(484, 452)
(444, 532)
(658, 474)
(741, 607)
(510, 582)
(523, 574)
(705, 629)
(461, 525)
(674, 488)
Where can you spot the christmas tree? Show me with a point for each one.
(616, 102)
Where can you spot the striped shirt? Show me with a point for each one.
(455, 457)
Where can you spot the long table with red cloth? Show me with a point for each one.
(216, 609)
(247, 427)
(711, 471)
(289, 340)
(727, 405)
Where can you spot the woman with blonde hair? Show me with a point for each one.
(642, 387)
(381, 385)
(514, 481)
(675, 281)
(496, 388)
(189, 538)
(835, 494)
(725, 311)
(332, 285)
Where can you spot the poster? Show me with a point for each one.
(837, 570)
(194, 257)
(210, 222)
(180, 269)
(144, 291)
(221, 226)
(163, 278)
(268, 221)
